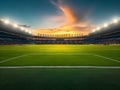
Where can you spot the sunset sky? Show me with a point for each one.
(80, 15)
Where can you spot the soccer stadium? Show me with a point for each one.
(59, 59)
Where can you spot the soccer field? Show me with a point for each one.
(60, 55)
(60, 67)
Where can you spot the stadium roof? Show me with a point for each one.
(105, 26)
(6, 23)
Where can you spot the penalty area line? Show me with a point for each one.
(105, 57)
(59, 54)
(12, 58)
(60, 67)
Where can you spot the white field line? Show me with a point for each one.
(102, 49)
(59, 54)
(41, 55)
(12, 58)
(105, 57)
(39, 49)
(61, 67)
(78, 54)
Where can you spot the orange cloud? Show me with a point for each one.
(70, 19)
(76, 19)
(67, 12)
(57, 19)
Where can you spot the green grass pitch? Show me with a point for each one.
(59, 55)
(60, 79)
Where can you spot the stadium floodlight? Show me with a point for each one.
(15, 25)
(98, 28)
(106, 25)
(30, 32)
(26, 30)
(22, 28)
(115, 20)
(6, 21)
(93, 30)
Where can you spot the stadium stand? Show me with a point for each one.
(9, 34)
(55, 40)
(108, 35)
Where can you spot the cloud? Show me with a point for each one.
(57, 19)
(70, 18)
(76, 18)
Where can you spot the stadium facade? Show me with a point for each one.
(17, 34)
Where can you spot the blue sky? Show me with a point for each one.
(37, 13)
